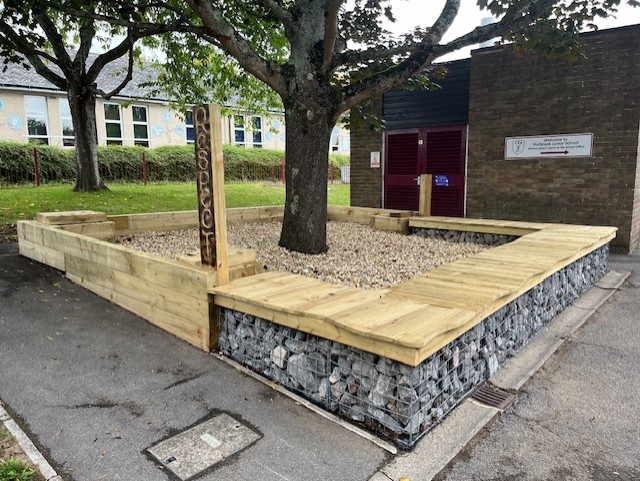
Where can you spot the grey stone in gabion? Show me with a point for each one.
(323, 390)
(338, 389)
(383, 366)
(299, 371)
(492, 364)
(357, 413)
(382, 390)
(279, 356)
(344, 364)
(386, 420)
(294, 346)
(415, 423)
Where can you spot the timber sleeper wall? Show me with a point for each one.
(167, 293)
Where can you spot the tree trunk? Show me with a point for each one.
(304, 228)
(82, 103)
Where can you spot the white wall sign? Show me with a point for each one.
(375, 160)
(560, 145)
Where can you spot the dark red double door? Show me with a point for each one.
(440, 152)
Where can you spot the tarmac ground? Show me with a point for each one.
(94, 386)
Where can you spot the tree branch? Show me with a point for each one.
(432, 37)
(385, 80)
(33, 55)
(278, 11)
(444, 21)
(330, 33)
(233, 43)
(109, 56)
(123, 84)
(513, 18)
(86, 32)
(353, 57)
(52, 32)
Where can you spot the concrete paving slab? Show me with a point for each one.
(201, 447)
(440, 445)
(94, 386)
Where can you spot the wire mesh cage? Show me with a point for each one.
(399, 401)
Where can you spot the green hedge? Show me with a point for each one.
(16, 163)
(123, 164)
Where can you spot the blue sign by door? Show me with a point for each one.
(441, 180)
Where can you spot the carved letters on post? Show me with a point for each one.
(210, 184)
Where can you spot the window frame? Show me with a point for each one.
(113, 140)
(260, 131)
(141, 141)
(189, 127)
(42, 139)
(335, 135)
(242, 129)
(67, 140)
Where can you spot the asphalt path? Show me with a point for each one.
(94, 386)
(578, 418)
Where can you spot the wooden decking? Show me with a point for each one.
(411, 321)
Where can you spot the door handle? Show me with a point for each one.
(417, 179)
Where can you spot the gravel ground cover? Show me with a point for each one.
(358, 255)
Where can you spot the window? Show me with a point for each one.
(113, 124)
(191, 131)
(256, 131)
(140, 126)
(37, 121)
(239, 137)
(335, 140)
(68, 135)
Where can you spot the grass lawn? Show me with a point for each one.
(19, 203)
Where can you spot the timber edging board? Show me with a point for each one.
(411, 321)
(171, 294)
(168, 293)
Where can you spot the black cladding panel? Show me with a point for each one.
(449, 105)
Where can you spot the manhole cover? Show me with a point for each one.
(492, 396)
(199, 448)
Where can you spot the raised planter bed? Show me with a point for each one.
(396, 359)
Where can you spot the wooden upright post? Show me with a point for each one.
(212, 207)
(424, 206)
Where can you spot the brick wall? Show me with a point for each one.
(366, 182)
(513, 95)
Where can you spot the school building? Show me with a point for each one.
(515, 136)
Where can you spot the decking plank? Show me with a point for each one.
(411, 321)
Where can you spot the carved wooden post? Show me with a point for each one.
(210, 181)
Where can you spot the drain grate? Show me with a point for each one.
(492, 396)
(201, 447)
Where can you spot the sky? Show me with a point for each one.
(407, 11)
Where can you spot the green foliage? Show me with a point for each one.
(14, 470)
(124, 164)
(17, 163)
(339, 160)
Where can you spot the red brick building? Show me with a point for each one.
(459, 134)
